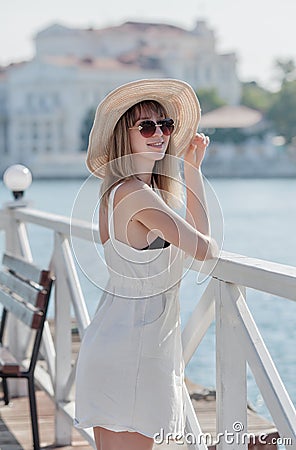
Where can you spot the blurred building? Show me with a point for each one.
(243, 144)
(45, 103)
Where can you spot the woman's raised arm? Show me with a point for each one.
(144, 205)
(196, 204)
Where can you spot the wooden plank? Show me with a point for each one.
(15, 426)
(23, 311)
(78, 301)
(8, 363)
(61, 224)
(192, 425)
(3, 219)
(21, 266)
(276, 279)
(32, 294)
(231, 368)
(198, 322)
(62, 338)
(266, 375)
(205, 408)
(23, 238)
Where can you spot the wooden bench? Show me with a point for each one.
(24, 294)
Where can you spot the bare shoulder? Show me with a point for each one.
(134, 192)
(126, 187)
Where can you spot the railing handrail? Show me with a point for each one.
(263, 275)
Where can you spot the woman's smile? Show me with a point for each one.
(156, 144)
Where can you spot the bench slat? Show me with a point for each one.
(25, 312)
(35, 296)
(20, 265)
(8, 363)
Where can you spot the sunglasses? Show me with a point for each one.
(147, 128)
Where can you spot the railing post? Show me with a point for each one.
(17, 243)
(266, 375)
(231, 383)
(63, 343)
(198, 323)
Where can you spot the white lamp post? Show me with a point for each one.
(17, 178)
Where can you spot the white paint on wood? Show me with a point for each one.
(267, 377)
(69, 410)
(19, 309)
(24, 241)
(231, 383)
(77, 298)
(63, 342)
(47, 350)
(17, 334)
(194, 437)
(266, 276)
(3, 219)
(198, 323)
(42, 378)
(69, 387)
(61, 224)
(20, 264)
(19, 287)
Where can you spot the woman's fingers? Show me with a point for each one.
(200, 140)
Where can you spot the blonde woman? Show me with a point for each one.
(130, 370)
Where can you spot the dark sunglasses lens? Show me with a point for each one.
(148, 128)
(167, 126)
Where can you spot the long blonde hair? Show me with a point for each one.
(166, 172)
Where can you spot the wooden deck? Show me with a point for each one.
(15, 426)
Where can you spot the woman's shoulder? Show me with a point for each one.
(129, 187)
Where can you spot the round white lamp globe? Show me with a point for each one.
(17, 178)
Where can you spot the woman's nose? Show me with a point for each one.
(158, 130)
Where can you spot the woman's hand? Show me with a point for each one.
(196, 150)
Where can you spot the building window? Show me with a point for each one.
(30, 101)
(48, 130)
(34, 130)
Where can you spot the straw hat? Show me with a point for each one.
(177, 97)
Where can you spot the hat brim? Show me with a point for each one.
(177, 97)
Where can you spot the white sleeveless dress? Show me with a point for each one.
(130, 369)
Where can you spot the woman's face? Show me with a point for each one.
(153, 147)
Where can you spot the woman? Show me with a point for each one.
(130, 370)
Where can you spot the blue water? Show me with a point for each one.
(259, 221)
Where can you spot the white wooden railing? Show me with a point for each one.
(224, 300)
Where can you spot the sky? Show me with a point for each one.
(258, 31)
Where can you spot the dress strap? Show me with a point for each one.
(111, 212)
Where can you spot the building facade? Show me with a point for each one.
(45, 102)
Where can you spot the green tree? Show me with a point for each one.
(86, 127)
(209, 99)
(283, 111)
(286, 70)
(256, 97)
